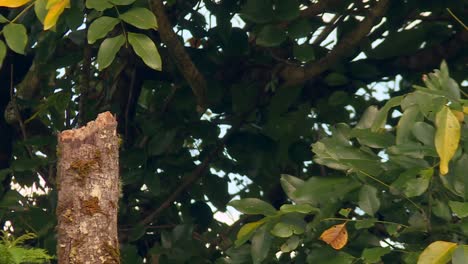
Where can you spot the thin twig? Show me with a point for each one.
(84, 86)
(129, 100)
(457, 19)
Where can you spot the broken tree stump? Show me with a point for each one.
(88, 193)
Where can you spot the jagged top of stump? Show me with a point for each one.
(103, 121)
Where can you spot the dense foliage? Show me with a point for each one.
(222, 100)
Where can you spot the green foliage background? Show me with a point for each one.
(275, 85)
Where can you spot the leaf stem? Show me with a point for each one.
(23, 12)
(388, 186)
(362, 220)
(457, 19)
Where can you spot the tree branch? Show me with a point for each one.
(177, 51)
(317, 8)
(296, 75)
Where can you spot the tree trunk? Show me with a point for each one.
(88, 193)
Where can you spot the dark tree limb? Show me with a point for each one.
(177, 51)
(318, 8)
(84, 85)
(296, 75)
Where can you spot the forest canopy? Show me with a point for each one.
(314, 119)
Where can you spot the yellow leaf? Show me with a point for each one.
(465, 110)
(13, 3)
(336, 236)
(249, 228)
(438, 252)
(51, 3)
(459, 115)
(447, 137)
(54, 13)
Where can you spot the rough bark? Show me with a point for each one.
(88, 193)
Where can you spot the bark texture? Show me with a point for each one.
(88, 193)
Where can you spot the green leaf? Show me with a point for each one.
(3, 19)
(304, 53)
(373, 139)
(298, 208)
(107, 51)
(365, 223)
(100, 27)
(140, 17)
(368, 118)
(282, 230)
(447, 137)
(299, 28)
(405, 125)
(328, 255)
(271, 36)
(460, 255)
(287, 10)
(145, 48)
(258, 11)
(381, 118)
(290, 184)
(442, 210)
(254, 206)
(99, 5)
(345, 211)
(459, 208)
(319, 190)
(322, 190)
(25, 164)
(373, 255)
(16, 37)
(3, 51)
(339, 155)
(368, 200)
(40, 9)
(413, 182)
(122, 2)
(439, 252)
(261, 242)
(424, 132)
(290, 244)
(336, 79)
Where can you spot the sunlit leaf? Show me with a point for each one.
(100, 27)
(99, 5)
(336, 236)
(253, 206)
(447, 137)
(140, 17)
(107, 51)
(3, 51)
(438, 252)
(54, 13)
(459, 115)
(368, 199)
(373, 255)
(459, 208)
(13, 3)
(261, 243)
(298, 208)
(16, 37)
(145, 48)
